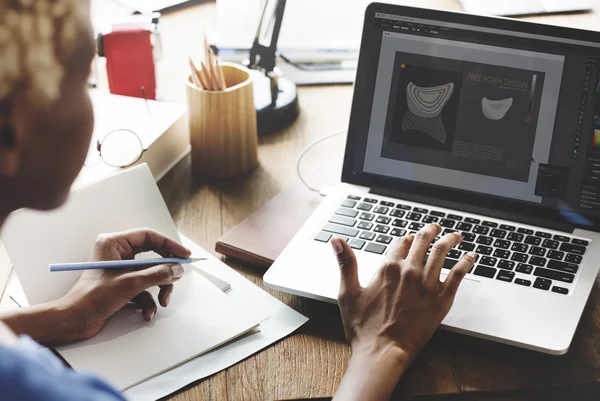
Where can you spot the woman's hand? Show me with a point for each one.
(98, 294)
(388, 322)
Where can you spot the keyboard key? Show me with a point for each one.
(507, 227)
(420, 210)
(448, 231)
(414, 216)
(561, 238)
(501, 253)
(342, 211)
(430, 219)
(472, 220)
(385, 203)
(383, 220)
(437, 214)
(506, 264)
(536, 260)
(485, 240)
(481, 230)
(560, 290)
(454, 254)
(400, 223)
(447, 223)
(557, 255)
(403, 207)
(398, 232)
(504, 275)
(371, 200)
(520, 281)
(364, 225)
(354, 197)
(519, 248)
(454, 217)
(498, 233)
(525, 231)
(524, 268)
(367, 235)
(551, 244)
(397, 213)
(464, 226)
(384, 239)
(365, 206)
(543, 234)
(466, 246)
(485, 271)
(537, 251)
(342, 237)
(488, 261)
(580, 242)
(554, 275)
(573, 258)
(468, 237)
(345, 221)
(449, 263)
(484, 250)
(515, 237)
(323, 237)
(416, 226)
(367, 216)
(533, 240)
(379, 228)
(381, 210)
(356, 243)
(489, 224)
(542, 284)
(349, 203)
(500, 243)
(576, 249)
(375, 248)
(563, 267)
(336, 229)
(519, 257)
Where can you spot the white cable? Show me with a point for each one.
(305, 151)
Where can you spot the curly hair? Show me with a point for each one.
(36, 37)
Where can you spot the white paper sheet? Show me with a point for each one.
(129, 350)
(283, 321)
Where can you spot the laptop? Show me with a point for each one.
(527, 7)
(489, 127)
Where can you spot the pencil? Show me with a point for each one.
(202, 77)
(220, 75)
(195, 75)
(120, 264)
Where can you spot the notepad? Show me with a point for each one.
(129, 350)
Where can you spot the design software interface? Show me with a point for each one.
(490, 111)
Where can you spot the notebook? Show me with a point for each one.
(129, 350)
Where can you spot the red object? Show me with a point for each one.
(130, 63)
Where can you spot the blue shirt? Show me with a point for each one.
(30, 372)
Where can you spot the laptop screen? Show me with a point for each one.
(477, 109)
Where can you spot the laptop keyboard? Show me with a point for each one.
(517, 255)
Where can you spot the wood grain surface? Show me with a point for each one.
(310, 364)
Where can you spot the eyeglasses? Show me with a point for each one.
(119, 148)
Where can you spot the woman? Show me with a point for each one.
(46, 122)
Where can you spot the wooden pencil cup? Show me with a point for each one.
(223, 130)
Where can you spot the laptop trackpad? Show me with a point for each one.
(462, 309)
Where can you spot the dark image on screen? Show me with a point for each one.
(463, 115)
(426, 107)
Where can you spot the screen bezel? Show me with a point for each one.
(436, 195)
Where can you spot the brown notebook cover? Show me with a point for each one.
(260, 238)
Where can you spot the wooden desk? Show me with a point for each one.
(310, 364)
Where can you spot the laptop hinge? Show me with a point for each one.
(469, 208)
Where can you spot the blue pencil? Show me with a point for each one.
(120, 264)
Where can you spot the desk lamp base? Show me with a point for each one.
(275, 115)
